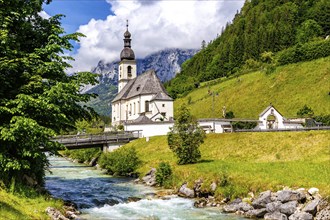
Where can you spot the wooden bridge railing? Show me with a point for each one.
(96, 139)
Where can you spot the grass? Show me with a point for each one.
(248, 162)
(288, 88)
(32, 206)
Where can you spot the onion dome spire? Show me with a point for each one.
(127, 53)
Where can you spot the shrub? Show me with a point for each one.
(163, 173)
(325, 119)
(244, 125)
(305, 111)
(120, 127)
(230, 114)
(122, 162)
(185, 137)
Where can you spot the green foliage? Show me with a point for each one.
(325, 119)
(83, 155)
(163, 173)
(309, 30)
(37, 98)
(120, 127)
(122, 162)
(304, 52)
(230, 114)
(185, 137)
(243, 125)
(305, 111)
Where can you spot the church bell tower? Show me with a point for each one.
(127, 65)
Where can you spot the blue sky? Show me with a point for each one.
(154, 25)
(78, 12)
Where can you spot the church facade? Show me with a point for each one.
(140, 98)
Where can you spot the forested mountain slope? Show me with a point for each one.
(288, 88)
(261, 26)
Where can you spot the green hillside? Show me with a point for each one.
(288, 88)
(245, 162)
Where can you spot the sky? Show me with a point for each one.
(154, 25)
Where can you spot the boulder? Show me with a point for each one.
(234, 207)
(133, 199)
(273, 206)
(55, 214)
(236, 201)
(213, 187)
(275, 216)
(311, 207)
(301, 216)
(289, 208)
(263, 199)
(93, 161)
(323, 214)
(243, 206)
(186, 192)
(150, 178)
(197, 187)
(256, 213)
(230, 208)
(313, 191)
(290, 195)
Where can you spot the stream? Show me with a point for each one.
(100, 196)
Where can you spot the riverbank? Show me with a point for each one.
(241, 163)
(27, 204)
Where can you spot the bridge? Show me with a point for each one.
(102, 140)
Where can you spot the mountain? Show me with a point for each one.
(166, 63)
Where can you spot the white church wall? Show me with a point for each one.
(162, 106)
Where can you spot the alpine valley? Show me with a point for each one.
(166, 63)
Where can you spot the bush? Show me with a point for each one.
(305, 111)
(122, 162)
(163, 173)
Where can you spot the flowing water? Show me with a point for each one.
(99, 196)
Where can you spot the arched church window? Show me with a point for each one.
(129, 71)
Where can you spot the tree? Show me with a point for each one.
(185, 137)
(308, 31)
(37, 98)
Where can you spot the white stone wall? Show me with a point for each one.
(149, 130)
(216, 126)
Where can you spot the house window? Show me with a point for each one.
(163, 114)
(129, 71)
(147, 106)
(163, 105)
(138, 106)
(134, 108)
(130, 109)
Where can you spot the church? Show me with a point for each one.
(140, 98)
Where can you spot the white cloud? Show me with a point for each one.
(154, 25)
(44, 14)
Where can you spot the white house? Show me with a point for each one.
(142, 95)
(270, 118)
